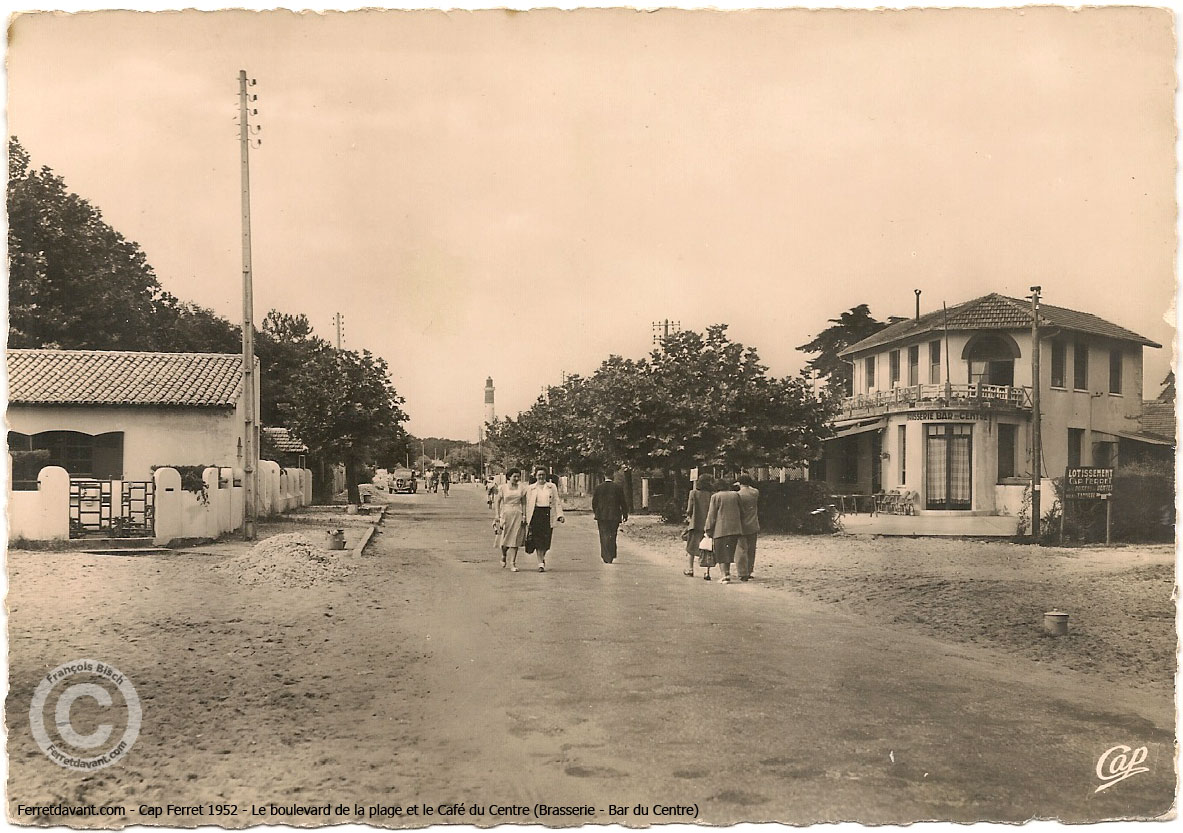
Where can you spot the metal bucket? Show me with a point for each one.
(1055, 623)
(336, 539)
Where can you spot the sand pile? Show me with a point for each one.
(295, 559)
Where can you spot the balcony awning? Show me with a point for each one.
(859, 427)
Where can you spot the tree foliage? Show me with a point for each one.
(77, 283)
(848, 328)
(697, 399)
(347, 410)
(73, 280)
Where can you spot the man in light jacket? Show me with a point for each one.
(749, 514)
(610, 510)
(725, 525)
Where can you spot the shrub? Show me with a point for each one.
(1143, 502)
(788, 506)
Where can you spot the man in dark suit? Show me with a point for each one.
(611, 510)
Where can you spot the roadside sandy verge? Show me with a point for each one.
(1120, 599)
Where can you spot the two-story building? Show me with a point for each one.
(941, 410)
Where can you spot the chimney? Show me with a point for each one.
(917, 291)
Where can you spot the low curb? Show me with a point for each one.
(357, 551)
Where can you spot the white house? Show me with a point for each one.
(111, 415)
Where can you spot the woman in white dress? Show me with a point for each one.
(509, 512)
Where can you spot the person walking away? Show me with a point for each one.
(698, 503)
(491, 491)
(445, 481)
(509, 517)
(749, 516)
(543, 511)
(610, 510)
(724, 525)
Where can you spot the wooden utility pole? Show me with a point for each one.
(250, 449)
(1036, 439)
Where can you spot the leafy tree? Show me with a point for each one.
(77, 283)
(848, 328)
(73, 280)
(699, 398)
(348, 411)
(285, 345)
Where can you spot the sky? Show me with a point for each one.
(521, 195)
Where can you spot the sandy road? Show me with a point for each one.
(629, 684)
(432, 677)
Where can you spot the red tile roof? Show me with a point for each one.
(997, 312)
(99, 377)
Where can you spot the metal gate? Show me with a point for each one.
(112, 508)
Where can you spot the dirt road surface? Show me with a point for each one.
(430, 677)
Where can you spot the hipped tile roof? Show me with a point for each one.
(997, 312)
(281, 439)
(99, 377)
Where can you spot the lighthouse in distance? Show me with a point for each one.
(490, 414)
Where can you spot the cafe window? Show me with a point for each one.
(934, 362)
(1080, 366)
(850, 460)
(948, 460)
(1115, 371)
(1059, 360)
(1006, 450)
(869, 371)
(914, 365)
(893, 364)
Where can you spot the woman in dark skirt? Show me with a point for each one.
(543, 511)
(697, 506)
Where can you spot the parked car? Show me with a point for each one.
(403, 481)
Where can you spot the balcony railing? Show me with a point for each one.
(947, 395)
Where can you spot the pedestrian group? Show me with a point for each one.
(722, 522)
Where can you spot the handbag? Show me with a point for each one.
(685, 536)
(530, 541)
(706, 543)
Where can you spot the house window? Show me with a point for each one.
(1059, 360)
(1115, 371)
(991, 362)
(82, 455)
(869, 371)
(1006, 450)
(902, 451)
(1075, 446)
(934, 362)
(1080, 366)
(948, 458)
(914, 365)
(893, 364)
